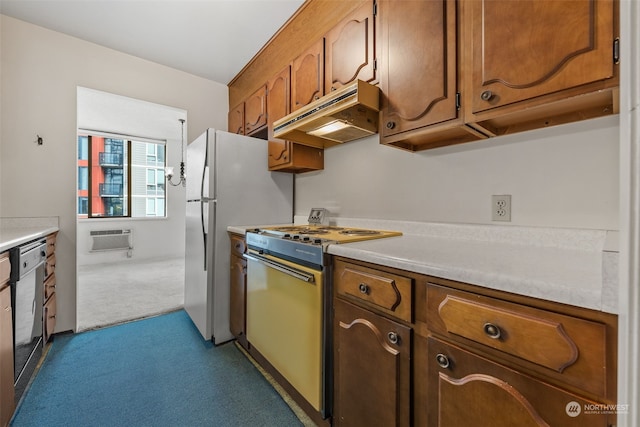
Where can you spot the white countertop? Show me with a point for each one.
(16, 231)
(571, 266)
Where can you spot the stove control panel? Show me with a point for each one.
(318, 216)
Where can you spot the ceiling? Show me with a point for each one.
(213, 39)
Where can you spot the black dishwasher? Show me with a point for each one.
(26, 281)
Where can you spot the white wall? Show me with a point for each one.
(152, 238)
(565, 176)
(41, 70)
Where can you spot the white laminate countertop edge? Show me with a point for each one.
(560, 275)
(16, 231)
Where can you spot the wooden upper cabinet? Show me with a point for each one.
(418, 74)
(419, 62)
(287, 156)
(524, 49)
(236, 119)
(278, 100)
(307, 76)
(350, 49)
(255, 111)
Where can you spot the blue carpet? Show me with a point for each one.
(153, 372)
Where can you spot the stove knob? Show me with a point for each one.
(296, 237)
(317, 241)
(306, 239)
(286, 236)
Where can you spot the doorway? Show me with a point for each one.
(129, 230)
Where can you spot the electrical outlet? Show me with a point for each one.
(501, 207)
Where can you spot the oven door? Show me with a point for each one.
(284, 321)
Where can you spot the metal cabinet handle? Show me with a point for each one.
(486, 95)
(363, 288)
(492, 331)
(393, 337)
(391, 125)
(443, 361)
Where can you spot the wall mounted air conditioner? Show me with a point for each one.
(111, 240)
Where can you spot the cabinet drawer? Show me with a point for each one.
(51, 244)
(571, 347)
(49, 314)
(50, 265)
(5, 268)
(238, 245)
(49, 286)
(388, 292)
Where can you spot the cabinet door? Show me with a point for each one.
(236, 119)
(523, 49)
(255, 111)
(278, 102)
(349, 49)
(7, 399)
(287, 156)
(49, 313)
(372, 368)
(418, 64)
(237, 299)
(307, 76)
(468, 390)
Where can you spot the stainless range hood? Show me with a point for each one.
(346, 114)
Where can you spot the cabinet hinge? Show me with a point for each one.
(616, 50)
(375, 8)
(457, 100)
(375, 65)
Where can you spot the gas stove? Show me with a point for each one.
(307, 243)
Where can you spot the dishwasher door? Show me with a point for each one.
(27, 294)
(284, 321)
(27, 310)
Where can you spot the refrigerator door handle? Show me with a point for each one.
(203, 220)
(204, 186)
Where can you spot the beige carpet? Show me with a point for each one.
(124, 291)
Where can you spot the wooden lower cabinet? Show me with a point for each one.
(238, 290)
(371, 368)
(461, 355)
(7, 400)
(468, 390)
(49, 306)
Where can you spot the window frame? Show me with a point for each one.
(128, 191)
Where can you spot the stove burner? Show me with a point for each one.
(358, 232)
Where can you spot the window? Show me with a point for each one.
(83, 148)
(83, 206)
(83, 178)
(120, 177)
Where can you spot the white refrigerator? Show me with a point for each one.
(228, 183)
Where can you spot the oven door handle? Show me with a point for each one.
(298, 274)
